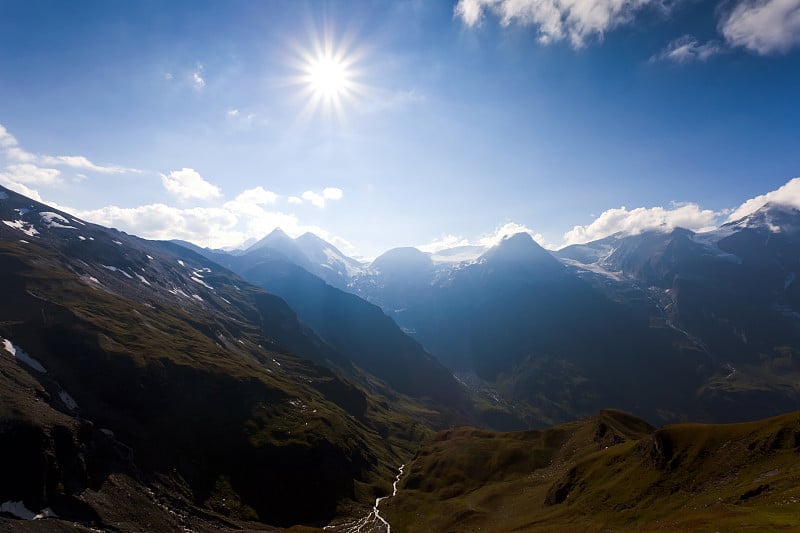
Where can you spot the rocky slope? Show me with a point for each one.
(137, 367)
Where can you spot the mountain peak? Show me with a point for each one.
(405, 258)
(775, 217)
(311, 237)
(278, 232)
(517, 247)
(520, 251)
(277, 238)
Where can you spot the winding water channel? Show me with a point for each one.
(373, 522)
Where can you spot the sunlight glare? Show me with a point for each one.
(328, 77)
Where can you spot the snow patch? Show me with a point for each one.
(594, 268)
(197, 297)
(20, 354)
(23, 226)
(141, 278)
(81, 237)
(54, 220)
(115, 269)
(68, 400)
(23, 241)
(201, 282)
(19, 510)
(178, 292)
(117, 243)
(181, 263)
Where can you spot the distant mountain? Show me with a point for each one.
(371, 340)
(142, 385)
(308, 251)
(610, 472)
(374, 345)
(732, 290)
(538, 337)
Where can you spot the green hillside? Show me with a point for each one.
(611, 472)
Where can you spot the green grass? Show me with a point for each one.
(195, 392)
(607, 473)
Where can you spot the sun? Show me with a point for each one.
(329, 74)
(328, 77)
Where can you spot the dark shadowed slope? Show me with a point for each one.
(384, 359)
(137, 367)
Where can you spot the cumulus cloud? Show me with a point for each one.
(687, 49)
(251, 201)
(787, 194)
(319, 199)
(188, 183)
(556, 20)
(635, 221)
(160, 221)
(763, 26)
(509, 228)
(213, 227)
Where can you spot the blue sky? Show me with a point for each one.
(457, 122)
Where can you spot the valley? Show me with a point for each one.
(227, 390)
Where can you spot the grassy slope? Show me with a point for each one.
(196, 396)
(607, 473)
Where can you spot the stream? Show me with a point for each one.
(373, 522)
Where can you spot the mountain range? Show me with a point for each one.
(671, 325)
(285, 383)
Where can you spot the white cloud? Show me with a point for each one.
(197, 77)
(158, 221)
(232, 113)
(556, 20)
(188, 183)
(763, 26)
(24, 190)
(319, 199)
(635, 221)
(214, 227)
(29, 173)
(687, 49)
(6, 139)
(14, 152)
(79, 161)
(487, 240)
(332, 193)
(507, 229)
(787, 194)
(250, 201)
(443, 243)
(315, 199)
